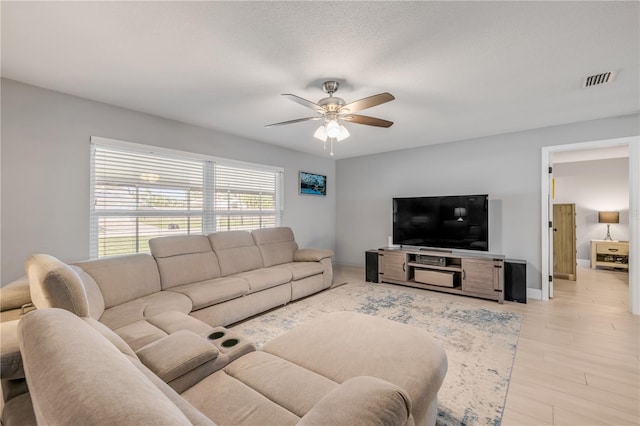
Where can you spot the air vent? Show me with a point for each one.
(594, 80)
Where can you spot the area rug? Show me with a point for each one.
(480, 343)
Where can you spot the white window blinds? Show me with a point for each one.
(136, 196)
(245, 198)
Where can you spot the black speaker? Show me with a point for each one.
(371, 266)
(515, 280)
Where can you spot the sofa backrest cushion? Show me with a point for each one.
(236, 251)
(184, 259)
(54, 284)
(276, 245)
(75, 375)
(123, 278)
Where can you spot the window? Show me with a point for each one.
(245, 198)
(137, 195)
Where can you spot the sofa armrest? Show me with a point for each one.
(311, 255)
(362, 400)
(177, 354)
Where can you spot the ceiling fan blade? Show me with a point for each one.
(369, 121)
(299, 120)
(304, 102)
(369, 102)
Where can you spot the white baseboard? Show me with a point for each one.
(534, 293)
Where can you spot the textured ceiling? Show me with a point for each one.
(457, 69)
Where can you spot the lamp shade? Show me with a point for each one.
(608, 217)
(333, 129)
(321, 133)
(344, 133)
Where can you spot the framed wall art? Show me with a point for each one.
(312, 184)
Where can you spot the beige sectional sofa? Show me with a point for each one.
(164, 314)
(104, 383)
(192, 282)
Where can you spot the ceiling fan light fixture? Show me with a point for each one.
(332, 109)
(321, 133)
(344, 133)
(333, 129)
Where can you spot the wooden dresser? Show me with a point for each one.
(612, 254)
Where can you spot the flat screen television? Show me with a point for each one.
(452, 222)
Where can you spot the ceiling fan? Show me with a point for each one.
(332, 110)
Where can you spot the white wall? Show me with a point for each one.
(507, 167)
(600, 185)
(45, 171)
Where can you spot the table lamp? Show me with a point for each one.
(608, 218)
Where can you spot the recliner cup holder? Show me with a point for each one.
(230, 343)
(216, 335)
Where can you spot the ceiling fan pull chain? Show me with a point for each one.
(331, 153)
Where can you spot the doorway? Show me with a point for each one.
(633, 144)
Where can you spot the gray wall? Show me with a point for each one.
(45, 171)
(507, 167)
(593, 186)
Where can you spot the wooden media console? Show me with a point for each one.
(469, 274)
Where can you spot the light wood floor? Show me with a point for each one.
(577, 361)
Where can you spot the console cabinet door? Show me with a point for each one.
(481, 276)
(393, 266)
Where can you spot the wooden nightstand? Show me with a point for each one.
(612, 254)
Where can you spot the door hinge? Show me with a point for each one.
(550, 224)
(550, 169)
(550, 278)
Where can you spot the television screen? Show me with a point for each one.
(460, 222)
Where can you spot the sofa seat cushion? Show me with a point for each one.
(300, 270)
(139, 334)
(150, 329)
(111, 336)
(211, 292)
(147, 306)
(228, 401)
(264, 278)
(342, 345)
(288, 385)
